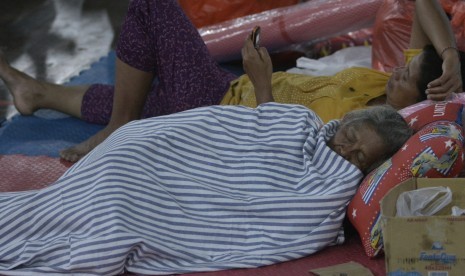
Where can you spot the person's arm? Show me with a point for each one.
(431, 26)
(258, 66)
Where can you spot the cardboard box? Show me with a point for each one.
(428, 245)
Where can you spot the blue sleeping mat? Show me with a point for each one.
(47, 132)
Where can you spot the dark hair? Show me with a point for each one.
(387, 123)
(431, 69)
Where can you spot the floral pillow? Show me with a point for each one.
(435, 150)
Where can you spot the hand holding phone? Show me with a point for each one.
(256, 37)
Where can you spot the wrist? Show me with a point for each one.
(262, 85)
(449, 51)
(263, 94)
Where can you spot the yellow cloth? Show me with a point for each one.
(411, 53)
(329, 96)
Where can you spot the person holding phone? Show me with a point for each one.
(158, 41)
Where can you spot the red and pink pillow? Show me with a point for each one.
(435, 150)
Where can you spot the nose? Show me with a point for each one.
(397, 72)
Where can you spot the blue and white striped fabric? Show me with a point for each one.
(207, 189)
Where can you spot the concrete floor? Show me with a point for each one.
(54, 40)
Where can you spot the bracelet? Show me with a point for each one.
(447, 48)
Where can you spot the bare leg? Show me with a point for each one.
(30, 94)
(131, 89)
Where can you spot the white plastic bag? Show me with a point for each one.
(457, 211)
(423, 202)
(357, 56)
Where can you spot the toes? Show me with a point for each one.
(70, 155)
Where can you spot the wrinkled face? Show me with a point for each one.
(359, 144)
(401, 90)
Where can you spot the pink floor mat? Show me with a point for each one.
(20, 173)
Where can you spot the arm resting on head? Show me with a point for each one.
(431, 26)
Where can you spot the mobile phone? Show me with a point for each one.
(256, 37)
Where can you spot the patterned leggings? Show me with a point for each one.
(157, 37)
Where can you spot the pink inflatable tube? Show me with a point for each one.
(454, 98)
(305, 22)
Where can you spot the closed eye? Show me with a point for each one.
(361, 158)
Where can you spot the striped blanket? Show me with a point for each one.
(207, 189)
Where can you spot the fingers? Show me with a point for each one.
(440, 93)
(246, 48)
(435, 83)
(440, 88)
(263, 53)
(449, 82)
(437, 96)
(249, 51)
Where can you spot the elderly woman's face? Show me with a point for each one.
(359, 144)
(401, 89)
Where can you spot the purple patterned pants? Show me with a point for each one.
(157, 37)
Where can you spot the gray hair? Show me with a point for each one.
(385, 121)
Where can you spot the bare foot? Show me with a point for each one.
(26, 91)
(78, 151)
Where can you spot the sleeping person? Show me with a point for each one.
(158, 41)
(206, 189)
